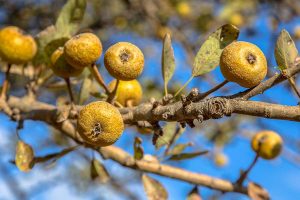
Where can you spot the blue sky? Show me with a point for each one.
(280, 177)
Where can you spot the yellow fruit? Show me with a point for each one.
(243, 63)
(24, 156)
(83, 50)
(100, 124)
(236, 19)
(127, 91)
(220, 159)
(267, 143)
(15, 47)
(124, 61)
(144, 130)
(183, 9)
(297, 32)
(60, 66)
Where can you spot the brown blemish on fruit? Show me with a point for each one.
(251, 59)
(124, 55)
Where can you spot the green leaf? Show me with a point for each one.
(168, 61)
(285, 50)
(54, 44)
(154, 189)
(42, 39)
(138, 149)
(98, 171)
(178, 149)
(168, 132)
(208, 56)
(184, 156)
(70, 17)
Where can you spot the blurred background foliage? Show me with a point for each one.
(145, 23)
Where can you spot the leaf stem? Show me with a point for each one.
(6, 82)
(98, 77)
(166, 89)
(186, 83)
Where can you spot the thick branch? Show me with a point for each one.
(127, 160)
(48, 113)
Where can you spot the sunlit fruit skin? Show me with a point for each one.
(221, 159)
(83, 50)
(236, 19)
(127, 91)
(15, 47)
(124, 61)
(267, 144)
(24, 156)
(61, 67)
(183, 9)
(243, 63)
(297, 32)
(100, 124)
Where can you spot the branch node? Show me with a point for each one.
(217, 108)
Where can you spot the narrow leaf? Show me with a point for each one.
(168, 132)
(70, 17)
(42, 39)
(285, 50)
(138, 149)
(24, 158)
(208, 56)
(184, 156)
(178, 149)
(168, 61)
(55, 156)
(98, 171)
(154, 189)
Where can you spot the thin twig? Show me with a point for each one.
(112, 95)
(205, 94)
(70, 90)
(244, 175)
(293, 84)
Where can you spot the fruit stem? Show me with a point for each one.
(70, 90)
(6, 82)
(112, 94)
(244, 175)
(129, 103)
(292, 83)
(205, 94)
(186, 83)
(99, 78)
